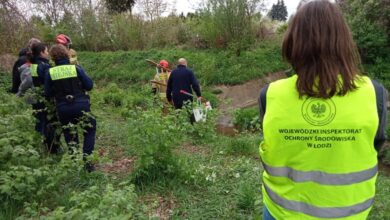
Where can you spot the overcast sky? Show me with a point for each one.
(191, 5)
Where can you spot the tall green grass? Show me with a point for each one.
(210, 66)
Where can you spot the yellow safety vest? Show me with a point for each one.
(318, 154)
(63, 72)
(162, 78)
(34, 70)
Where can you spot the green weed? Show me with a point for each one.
(247, 119)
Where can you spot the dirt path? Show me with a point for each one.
(244, 95)
(240, 96)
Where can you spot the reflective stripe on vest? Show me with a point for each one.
(318, 154)
(322, 177)
(320, 212)
(63, 72)
(34, 70)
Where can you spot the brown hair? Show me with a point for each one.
(58, 52)
(32, 41)
(38, 48)
(319, 46)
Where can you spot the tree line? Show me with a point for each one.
(98, 25)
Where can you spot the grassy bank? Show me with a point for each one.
(210, 66)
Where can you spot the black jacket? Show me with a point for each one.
(181, 78)
(15, 70)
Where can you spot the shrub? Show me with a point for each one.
(241, 145)
(246, 196)
(369, 21)
(154, 137)
(380, 70)
(247, 119)
(96, 202)
(26, 173)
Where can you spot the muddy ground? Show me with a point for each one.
(240, 96)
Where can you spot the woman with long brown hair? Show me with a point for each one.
(323, 126)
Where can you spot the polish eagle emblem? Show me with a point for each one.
(318, 110)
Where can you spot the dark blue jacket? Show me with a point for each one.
(181, 78)
(43, 67)
(86, 82)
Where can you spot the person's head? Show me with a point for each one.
(64, 40)
(29, 45)
(182, 62)
(32, 41)
(164, 63)
(59, 52)
(163, 66)
(40, 50)
(319, 46)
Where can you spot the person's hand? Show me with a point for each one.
(200, 98)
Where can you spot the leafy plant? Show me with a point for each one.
(155, 136)
(241, 145)
(96, 202)
(246, 196)
(247, 119)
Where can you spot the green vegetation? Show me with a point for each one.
(152, 165)
(211, 66)
(102, 25)
(247, 119)
(278, 11)
(369, 22)
(149, 165)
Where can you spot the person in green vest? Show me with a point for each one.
(323, 126)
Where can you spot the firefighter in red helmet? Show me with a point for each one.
(159, 83)
(67, 42)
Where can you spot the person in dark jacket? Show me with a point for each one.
(39, 58)
(68, 85)
(46, 119)
(22, 59)
(182, 78)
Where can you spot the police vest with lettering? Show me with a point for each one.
(318, 154)
(34, 75)
(65, 81)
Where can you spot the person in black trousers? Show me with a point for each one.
(184, 79)
(68, 84)
(39, 67)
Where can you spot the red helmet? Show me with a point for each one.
(64, 40)
(164, 63)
